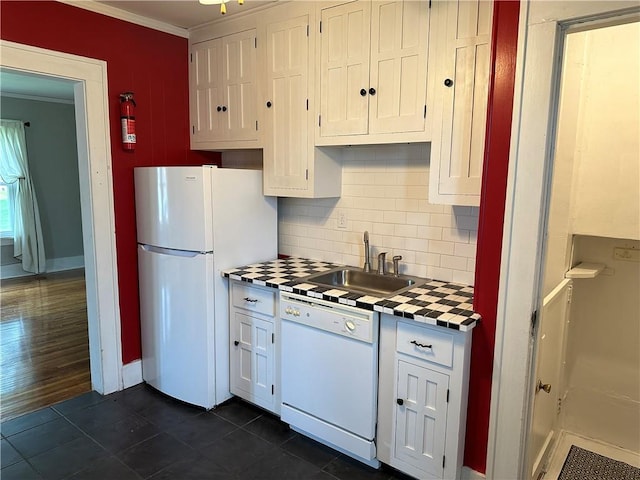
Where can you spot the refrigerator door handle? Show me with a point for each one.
(171, 251)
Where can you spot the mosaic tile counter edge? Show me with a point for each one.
(435, 302)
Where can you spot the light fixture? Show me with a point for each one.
(223, 8)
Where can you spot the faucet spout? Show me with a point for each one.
(382, 263)
(367, 260)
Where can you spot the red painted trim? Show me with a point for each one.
(494, 187)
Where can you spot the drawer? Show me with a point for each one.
(425, 343)
(260, 300)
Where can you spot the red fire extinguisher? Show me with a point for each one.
(128, 121)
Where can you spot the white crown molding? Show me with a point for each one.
(127, 16)
(37, 98)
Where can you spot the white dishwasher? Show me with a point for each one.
(330, 373)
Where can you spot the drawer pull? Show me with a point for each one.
(421, 345)
(252, 300)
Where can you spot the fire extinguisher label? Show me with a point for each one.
(128, 130)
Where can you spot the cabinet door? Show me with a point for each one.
(239, 65)
(462, 87)
(421, 420)
(286, 149)
(344, 69)
(252, 359)
(206, 90)
(399, 45)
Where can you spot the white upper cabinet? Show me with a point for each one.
(461, 82)
(223, 92)
(373, 72)
(293, 166)
(286, 116)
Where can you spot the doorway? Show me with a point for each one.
(44, 345)
(542, 32)
(586, 376)
(96, 197)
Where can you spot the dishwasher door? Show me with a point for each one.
(330, 375)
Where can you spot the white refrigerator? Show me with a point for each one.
(193, 222)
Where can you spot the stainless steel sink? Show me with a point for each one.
(355, 279)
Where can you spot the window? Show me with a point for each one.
(7, 206)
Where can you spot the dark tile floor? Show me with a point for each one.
(140, 433)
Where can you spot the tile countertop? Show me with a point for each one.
(435, 302)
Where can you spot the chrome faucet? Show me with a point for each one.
(367, 261)
(396, 267)
(382, 263)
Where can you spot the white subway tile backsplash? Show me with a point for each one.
(430, 233)
(417, 218)
(466, 250)
(394, 217)
(384, 191)
(453, 235)
(454, 263)
(444, 248)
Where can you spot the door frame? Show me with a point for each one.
(89, 77)
(540, 41)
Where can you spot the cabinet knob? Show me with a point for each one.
(546, 387)
(400, 401)
(219, 108)
(269, 104)
(236, 343)
(224, 109)
(372, 91)
(448, 82)
(363, 92)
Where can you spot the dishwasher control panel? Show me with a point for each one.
(331, 317)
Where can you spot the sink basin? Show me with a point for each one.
(355, 279)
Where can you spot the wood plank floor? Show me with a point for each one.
(44, 346)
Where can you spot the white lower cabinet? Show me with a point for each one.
(254, 369)
(422, 401)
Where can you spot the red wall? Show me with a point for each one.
(494, 187)
(153, 65)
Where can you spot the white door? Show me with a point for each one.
(344, 69)
(547, 389)
(286, 149)
(421, 418)
(398, 85)
(252, 357)
(544, 25)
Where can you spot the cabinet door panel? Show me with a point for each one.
(240, 85)
(252, 360)
(344, 69)
(421, 420)
(466, 62)
(206, 85)
(285, 151)
(399, 45)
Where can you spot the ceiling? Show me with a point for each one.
(182, 14)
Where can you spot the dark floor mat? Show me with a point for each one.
(585, 465)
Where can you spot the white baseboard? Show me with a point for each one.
(132, 374)
(468, 474)
(14, 270)
(65, 263)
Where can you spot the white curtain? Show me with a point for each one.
(28, 243)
